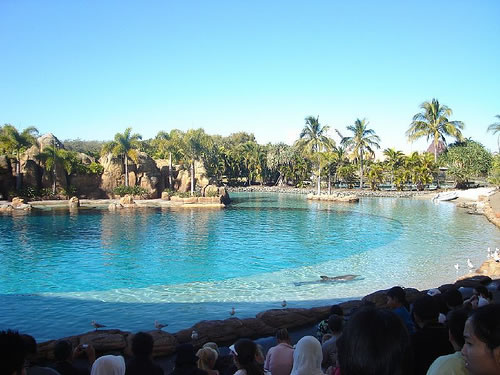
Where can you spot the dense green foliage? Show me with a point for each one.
(132, 190)
(91, 148)
(465, 160)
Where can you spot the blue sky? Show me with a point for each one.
(89, 69)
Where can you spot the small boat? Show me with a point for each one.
(446, 196)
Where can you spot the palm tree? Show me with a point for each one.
(52, 155)
(363, 140)
(314, 140)
(495, 128)
(14, 143)
(124, 145)
(432, 122)
(393, 160)
(192, 148)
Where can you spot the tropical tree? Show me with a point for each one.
(375, 175)
(495, 128)
(15, 143)
(394, 159)
(362, 141)
(433, 123)
(51, 156)
(125, 146)
(192, 148)
(313, 140)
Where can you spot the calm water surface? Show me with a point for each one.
(59, 270)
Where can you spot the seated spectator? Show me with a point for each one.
(396, 300)
(307, 357)
(244, 354)
(329, 348)
(452, 363)
(185, 361)
(142, 349)
(323, 325)
(375, 342)
(32, 369)
(431, 337)
(279, 359)
(482, 341)
(109, 365)
(223, 362)
(12, 353)
(64, 356)
(207, 358)
(453, 299)
(481, 297)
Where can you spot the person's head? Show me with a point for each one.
(282, 335)
(307, 356)
(245, 351)
(142, 345)
(375, 342)
(482, 291)
(212, 345)
(482, 341)
(425, 311)
(12, 352)
(337, 310)
(335, 323)
(63, 350)
(396, 297)
(453, 298)
(455, 323)
(30, 346)
(109, 365)
(185, 356)
(206, 358)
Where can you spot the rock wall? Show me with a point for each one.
(7, 180)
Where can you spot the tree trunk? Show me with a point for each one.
(361, 169)
(329, 183)
(436, 142)
(170, 170)
(319, 179)
(18, 172)
(192, 177)
(126, 170)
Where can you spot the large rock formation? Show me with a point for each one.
(7, 180)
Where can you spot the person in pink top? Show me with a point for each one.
(279, 359)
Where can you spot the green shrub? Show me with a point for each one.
(212, 193)
(187, 194)
(132, 190)
(69, 192)
(95, 168)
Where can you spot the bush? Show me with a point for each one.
(132, 190)
(95, 168)
(69, 192)
(187, 194)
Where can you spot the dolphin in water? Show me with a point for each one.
(327, 279)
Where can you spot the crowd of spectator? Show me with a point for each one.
(437, 334)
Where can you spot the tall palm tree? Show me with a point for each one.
(363, 140)
(495, 128)
(314, 140)
(432, 122)
(124, 145)
(394, 159)
(14, 143)
(192, 149)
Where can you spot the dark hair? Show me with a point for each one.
(483, 291)
(486, 325)
(456, 323)
(62, 350)
(12, 352)
(142, 345)
(282, 334)
(185, 355)
(375, 342)
(426, 308)
(245, 355)
(399, 294)
(453, 298)
(335, 323)
(29, 344)
(337, 310)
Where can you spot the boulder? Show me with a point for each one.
(127, 200)
(472, 282)
(210, 191)
(112, 175)
(48, 139)
(164, 343)
(74, 202)
(183, 181)
(379, 298)
(490, 268)
(289, 318)
(114, 206)
(165, 196)
(106, 341)
(7, 180)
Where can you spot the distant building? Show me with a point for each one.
(441, 147)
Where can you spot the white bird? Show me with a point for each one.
(283, 304)
(159, 325)
(233, 311)
(489, 253)
(469, 263)
(456, 266)
(496, 257)
(194, 335)
(96, 325)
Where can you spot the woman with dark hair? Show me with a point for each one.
(375, 342)
(482, 341)
(244, 351)
(396, 300)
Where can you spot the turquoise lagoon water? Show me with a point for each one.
(60, 270)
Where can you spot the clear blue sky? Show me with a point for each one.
(89, 69)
